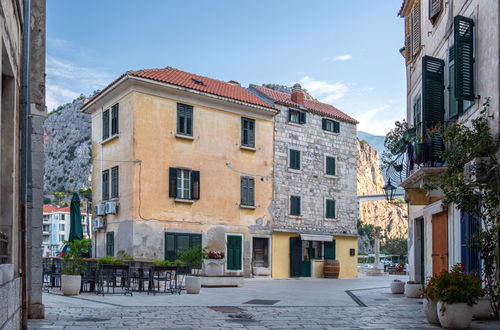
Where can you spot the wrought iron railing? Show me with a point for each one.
(4, 248)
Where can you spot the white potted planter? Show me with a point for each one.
(397, 287)
(430, 311)
(213, 267)
(193, 284)
(482, 310)
(413, 290)
(457, 316)
(70, 284)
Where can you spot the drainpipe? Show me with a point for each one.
(26, 175)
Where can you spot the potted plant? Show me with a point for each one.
(456, 292)
(430, 303)
(213, 263)
(413, 289)
(397, 287)
(74, 266)
(193, 258)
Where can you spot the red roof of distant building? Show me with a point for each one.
(319, 108)
(180, 78)
(47, 208)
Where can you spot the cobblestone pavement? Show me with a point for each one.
(383, 311)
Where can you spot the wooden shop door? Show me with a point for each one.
(439, 242)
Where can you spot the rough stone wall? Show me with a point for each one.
(10, 308)
(310, 183)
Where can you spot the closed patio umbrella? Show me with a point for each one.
(75, 222)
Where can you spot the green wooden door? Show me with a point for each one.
(234, 252)
(330, 250)
(295, 256)
(305, 268)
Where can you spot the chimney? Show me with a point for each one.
(234, 83)
(297, 94)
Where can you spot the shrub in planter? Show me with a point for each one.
(397, 287)
(74, 266)
(193, 258)
(413, 289)
(430, 303)
(456, 292)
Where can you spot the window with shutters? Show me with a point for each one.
(114, 182)
(432, 92)
(105, 125)
(296, 116)
(184, 184)
(294, 159)
(176, 243)
(295, 205)
(114, 119)
(464, 58)
(105, 185)
(330, 125)
(435, 8)
(247, 191)
(184, 119)
(110, 243)
(248, 132)
(413, 33)
(330, 209)
(330, 165)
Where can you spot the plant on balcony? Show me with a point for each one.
(207, 254)
(477, 193)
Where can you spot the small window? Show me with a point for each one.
(331, 125)
(435, 7)
(297, 117)
(184, 119)
(61, 238)
(61, 227)
(294, 159)
(62, 217)
(247, 191)
(294, 205)
(114, 119)
(330, 209)
(105, 124)
(110, 244)
(114, 182)
(248, 132)
(105, 185)
(330, 165)
(184, 183)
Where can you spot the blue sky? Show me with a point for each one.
(343, 52)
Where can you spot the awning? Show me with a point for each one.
(321, 238)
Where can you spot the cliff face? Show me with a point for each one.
(391, 217)
(68, 147)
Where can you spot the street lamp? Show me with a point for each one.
(389, 189)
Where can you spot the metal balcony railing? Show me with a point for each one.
(4, 248)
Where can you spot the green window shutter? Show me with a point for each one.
(303, 116)
(435, 7)
(330, 209)
(330, 165)
(170, 247)
(416, 33)
(336, 127)
(105, 124)
(408, 56)
(114, 119)
(114, 182)
(189, 119)
(452, 101)
(105, 185)
(330, 250)
(184, 119)
(172, 182)
(234, 250)
(248, 132)
(294, 159)
(244, 190)
(294, 205)
(195, 185)
(323, 123)
(464, 58)
(110, 243)
(432, 91)
(251, 192)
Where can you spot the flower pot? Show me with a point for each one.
(457, 316)
(213, 267)
(430, 311)
(70, 284)
(413, 290)
(397, 287)
(193, 284)
(482, 310)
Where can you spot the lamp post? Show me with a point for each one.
(389, 189)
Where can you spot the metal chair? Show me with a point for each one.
(114, 277)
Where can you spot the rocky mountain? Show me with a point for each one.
(68, 148)
(375, 141)
(390, 216)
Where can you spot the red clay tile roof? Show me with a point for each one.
(319, 108)
(47, 208)
(180, 78)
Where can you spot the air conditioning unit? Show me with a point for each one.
(100, 209)
(111, 207)
(98, 223)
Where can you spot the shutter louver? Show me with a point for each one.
(408, 39)
(464, 58)
(336, 127)
(432, 91)
(323, 123)
(302, 117)
(250, 194)
(195, 185)
(452, 101)
(172, 182)
(243, 185)
(435, 7)
(188, 112)
(415, 29)
(170, 249)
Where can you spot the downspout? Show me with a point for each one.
(26, 175)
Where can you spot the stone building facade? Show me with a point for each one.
(320, 136)
(21, 249)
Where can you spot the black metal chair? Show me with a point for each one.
(116, 277)
(89, 277)
(162, 274)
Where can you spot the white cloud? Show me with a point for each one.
(345, 57)
(325, 91)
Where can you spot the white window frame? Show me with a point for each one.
(181, 190)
